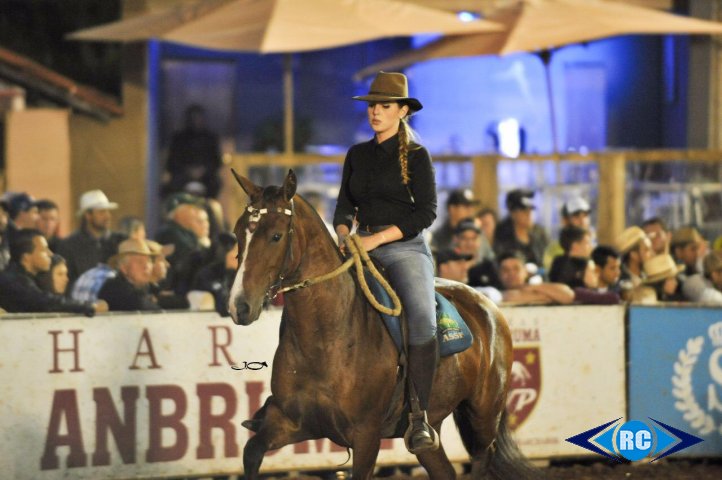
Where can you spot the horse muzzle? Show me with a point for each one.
(242, 312)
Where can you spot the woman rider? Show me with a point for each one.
(389, 188)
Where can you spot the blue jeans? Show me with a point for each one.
(410, 271)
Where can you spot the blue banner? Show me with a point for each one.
(675, 371)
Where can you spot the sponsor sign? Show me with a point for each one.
(675, 371)
(163, 395)
(568, 370)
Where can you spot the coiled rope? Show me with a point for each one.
(359, 257)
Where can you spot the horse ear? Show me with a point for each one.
(248, 186)
(289, 186)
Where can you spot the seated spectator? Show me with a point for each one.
(49, 221)
(187, 230)
(656, 230)
(600, 281)
(517, 232)
(164, 295)
(93, 242)
(132, 227)
(685, 247)
(217, 277)
(129, 290)
(23, 211)
(453, 265)
(55, 280)
(459, 205)
(706, 288)
(4, 245)
(608, 267)
(661, 277)
(635, 248)
(487, 219)
(570, 268)
(87, 286)
(468, 241)
(513, 275)
(19, 292)
(575, 212)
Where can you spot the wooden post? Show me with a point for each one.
(288, 104)
(485, 183)
(612, 182)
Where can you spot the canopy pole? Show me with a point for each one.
(288, 103)
(546, 57)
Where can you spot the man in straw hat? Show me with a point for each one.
(93, 242)
(661, 276)
(635, 247)
(686, 246)
(388, 186)
(130, 289)
(706, 288)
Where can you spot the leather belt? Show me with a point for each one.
(374, 228)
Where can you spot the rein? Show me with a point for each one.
(359, 257)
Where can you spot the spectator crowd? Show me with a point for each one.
(513, 261)
(190, 264)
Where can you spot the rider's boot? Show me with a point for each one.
(422, 366)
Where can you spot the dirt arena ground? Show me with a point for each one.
(709, 469)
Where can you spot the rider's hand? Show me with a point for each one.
(370, 242)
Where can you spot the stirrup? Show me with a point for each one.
(429, 444)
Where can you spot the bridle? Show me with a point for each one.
(256, 214)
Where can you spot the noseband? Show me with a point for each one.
(256, 214)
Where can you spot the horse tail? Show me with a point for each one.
(503, 460)
(507, 461)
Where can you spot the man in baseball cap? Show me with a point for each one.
(93, 242)
(518, 232)
(23, 211)
(460, 205)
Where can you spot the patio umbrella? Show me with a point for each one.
(541, 26)
(282, 26)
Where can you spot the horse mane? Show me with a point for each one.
(313, 214)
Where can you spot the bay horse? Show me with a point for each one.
(335, 368)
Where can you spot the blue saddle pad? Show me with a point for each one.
(453, 334)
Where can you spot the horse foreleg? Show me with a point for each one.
(436, 462)
(276, 431)
(366, 447)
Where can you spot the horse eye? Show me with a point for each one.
(276, 237)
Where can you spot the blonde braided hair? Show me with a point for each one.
(407, 136)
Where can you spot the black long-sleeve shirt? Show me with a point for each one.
(20, 293)
(372, 190)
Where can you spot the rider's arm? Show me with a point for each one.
(389, 235)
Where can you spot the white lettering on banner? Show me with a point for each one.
(155, 394)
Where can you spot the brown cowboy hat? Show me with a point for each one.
(391, 87)
(661, 267)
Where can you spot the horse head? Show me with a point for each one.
(265, 247)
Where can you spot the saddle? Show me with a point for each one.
(452, 332)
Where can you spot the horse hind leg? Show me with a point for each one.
(477, 434)
(494, 453)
